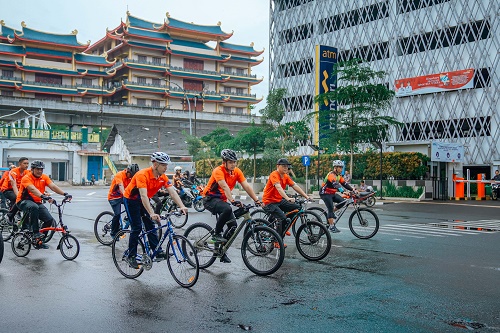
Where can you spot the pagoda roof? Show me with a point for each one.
(252, 80)
(10, 63)
(252, 62)
(134, 21)
(49, 70)
(242, 49)
(88, 72)
(189, 43)
(95, 91)
(7, 31)
(49, 53)
(65, 40)
(50, 90)
(245, 99)
(12, 49)
(146, 45)
(197, 55)
(147, 34)
(202, 32)
(100, 60)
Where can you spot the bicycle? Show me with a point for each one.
(168, 205)
(262, 248)
(363, 222)
(312, 239)
(8, 230)
(102, 226)
(68, 244)
(179, 252)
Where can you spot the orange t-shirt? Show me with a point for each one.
(14, 174)
(271, 194)
(39, 183)
(119, 178)
(220, 173)
(4, 178)
(145, 179)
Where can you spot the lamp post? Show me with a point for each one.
(189, 106)
(380, 146)
(317, 149)
(159, 126)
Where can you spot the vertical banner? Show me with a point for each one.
(326, 58)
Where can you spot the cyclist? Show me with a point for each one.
(275, 199)
(5, 178)
(144, 184)
(328, 192)
(30, 196)
(10, 188)
(218, 192)
(115, 194)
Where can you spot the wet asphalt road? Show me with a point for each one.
(411, 277)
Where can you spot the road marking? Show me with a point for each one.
(91, 193)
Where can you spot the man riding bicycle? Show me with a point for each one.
(275, 199)
(115, 195)
(144, 184)
(10, 188)
(218, 192)
(30, 196)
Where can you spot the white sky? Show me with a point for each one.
(248, 18)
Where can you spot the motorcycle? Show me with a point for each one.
(366, 197)
(495, 191)
(191, 196)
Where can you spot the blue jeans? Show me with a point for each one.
(137, 215)
(116, 205)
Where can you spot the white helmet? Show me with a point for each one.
(160, 157)
(337, 163)
(178, 168)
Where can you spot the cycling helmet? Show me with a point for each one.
(337, 163)
(228, 155)
(160, 157)
(133, 168)
(178, 168)
(37, 164)
(283, 161)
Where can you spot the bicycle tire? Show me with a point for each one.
(199, 206)
(69, 247)
(182, 261)
(322, 213)
(48, 234)
(259, 214)
(21, 244)
(7, 229)
(363, 223)
(305, 217)
(313, 241)
(120, 252)
(1, 249)
(102, 228)
(199, 235)
(177, 221)
(370, 201)
(265, 258)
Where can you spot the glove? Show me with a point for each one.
(45, 197)
(258, 203)
(68, 196)
(236, 203)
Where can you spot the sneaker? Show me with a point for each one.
(333, 229)
(43, 246)
(132, 262)
(277, 245)
(225, 259)
(161, 255)
(38, 235)
(217, 238)
(288, 233)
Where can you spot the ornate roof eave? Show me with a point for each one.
(80, 48)
(196, 76)
(237, 99)
(98, 92)
(149, 68)
(48, 70)
(151, 90)
(253, 54)
(102, 40)
(50, 90)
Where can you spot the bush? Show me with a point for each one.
(390, 190)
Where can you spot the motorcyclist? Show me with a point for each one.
(496, 186)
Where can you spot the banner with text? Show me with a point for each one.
(447, 81)
(447, 152)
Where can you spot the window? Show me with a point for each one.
(156, 82)
(305, 66)
(354, 17)
(240, 71)
(239, 91)
(226, 109)
(227, 90)
(157, 60)
(228, 70)
(451, 128)
(86, 82)
(7, 73)
(9, 93)
(297, 33)
(298, 103)
(87, 100)
(197, 65)
(193, 85)
(48, 78)
(287, 4)
(142, 58)
(239, 110)
(370, 52)
(409, 5)
(48, 97)
(141, 80)
(155, 103)
(141, 102)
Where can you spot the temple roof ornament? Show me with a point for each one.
(74, 32)
(23, 24)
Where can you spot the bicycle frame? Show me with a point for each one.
(169, 233)
(63, 228)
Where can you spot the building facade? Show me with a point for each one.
(412, 40)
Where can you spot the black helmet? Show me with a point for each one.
(133, 168)
(37, 164)
(283, 161)
(228, 155)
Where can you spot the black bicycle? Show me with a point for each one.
(167, 205)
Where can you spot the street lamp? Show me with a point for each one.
(379, 145)
(316, 148)
(159, 125)
(189, 106)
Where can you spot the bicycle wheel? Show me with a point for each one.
(363, 223)
(321, 213)
(69, 247)
(370, 201)
(199, 206)
(177, 221)
(182, 261)
(7, 229)
(199, 234)
(313, 241)
(48, 234)
(259, 214)
(120, 253)
(1, 249)
(21, 244)
(262, 250)
(303, 218)
(102, 228)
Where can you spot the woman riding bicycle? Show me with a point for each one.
(329, 192)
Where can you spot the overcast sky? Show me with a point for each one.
(248, 18)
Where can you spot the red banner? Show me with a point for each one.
(432, 83)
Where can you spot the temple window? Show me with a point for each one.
(141, 102)
(7, 73)
(141, 80)
(48, 78)
(87, 82)
(193, 85)
(156, 82)
(194, 64)
(239, 91)
(157, 60)
(240, 71)
(142, 58)
(155, 103)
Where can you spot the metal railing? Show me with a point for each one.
(47, 135)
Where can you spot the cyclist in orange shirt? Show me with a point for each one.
(30, 195)
(142, 187)
(5, 178)
(275, 199)
(10, 188)
(115, 194)
(218, 192)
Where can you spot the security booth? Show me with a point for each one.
(445, 166)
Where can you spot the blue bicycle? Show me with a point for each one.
(181, 256)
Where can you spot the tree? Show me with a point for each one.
(360, 101)
(251, 140)
(218, 139)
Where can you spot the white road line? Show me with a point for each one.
(433, 229)
(396, 229)
(397, 234)
(91, 193)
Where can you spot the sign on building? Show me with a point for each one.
(463, 79)
(447, 152)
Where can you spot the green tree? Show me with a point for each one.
(361, 97)
(220, 138)
(251, 140)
